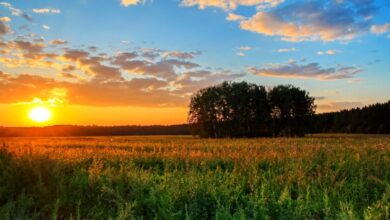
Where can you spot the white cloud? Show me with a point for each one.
(286, 50)
(242, 49)
(328, 52)
(234, 17)
(5, 19)
(46, 10)
(245, 48)
(5, 4)
(127, 3)
(380, 29)
(45, 27)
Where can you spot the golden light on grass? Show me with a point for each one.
(40, 114)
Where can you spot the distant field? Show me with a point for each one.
(181, 177)
(347, 135)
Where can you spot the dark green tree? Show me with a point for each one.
(230, 110)
(203, 112)
(291, 110)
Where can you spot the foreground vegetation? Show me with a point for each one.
(186, 178)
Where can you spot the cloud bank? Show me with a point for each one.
(297, 21)
(138, 77)
(314, 20)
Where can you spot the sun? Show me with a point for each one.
(40, 114)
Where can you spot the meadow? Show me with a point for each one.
(182, 177)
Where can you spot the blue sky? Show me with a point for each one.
(338, 50)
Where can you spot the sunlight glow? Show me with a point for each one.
(40, 114)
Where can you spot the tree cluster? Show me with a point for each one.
(372, 119)
(249, 110)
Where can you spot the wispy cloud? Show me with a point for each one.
(46, 10)
(230, 4)
(46, 27)
(380, 29)
(241, 51)
(181, 54)
(234, 17)
(245, 48)
(305, 71)
(58, 42)
(328, 52)
(5, 19)
(127, 3)
(286, 50)
(335, 106)
(16, 11)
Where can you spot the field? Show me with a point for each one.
(181, 177)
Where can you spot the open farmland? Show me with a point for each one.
(181, 177)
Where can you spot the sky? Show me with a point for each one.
(122, 62)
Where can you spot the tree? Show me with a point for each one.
(291, 109)
(230, 110)
(202, 112)
(247, 110)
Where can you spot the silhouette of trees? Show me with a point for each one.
(291, 108)
(230, 109)
(372, 119)
(248, 110)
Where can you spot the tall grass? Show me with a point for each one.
(187, 178)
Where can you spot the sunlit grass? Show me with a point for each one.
(183, 177)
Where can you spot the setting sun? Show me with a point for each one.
(40, 114)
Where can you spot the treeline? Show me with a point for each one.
(69, 130)
(241, 109)
(372, 119)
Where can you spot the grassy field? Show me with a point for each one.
(180, 177)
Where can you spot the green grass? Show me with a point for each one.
(181, 177)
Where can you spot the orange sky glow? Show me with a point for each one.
(18, 115)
